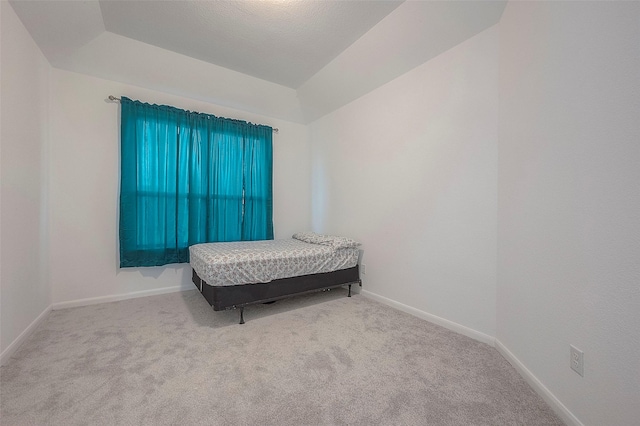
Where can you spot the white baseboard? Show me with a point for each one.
(555, 404)
(461, 329)
(117, 297)
(6, 354)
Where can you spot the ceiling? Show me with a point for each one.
(312, 55)
(282, 42)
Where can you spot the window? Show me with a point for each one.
(189, 178)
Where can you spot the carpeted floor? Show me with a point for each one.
(321, 359)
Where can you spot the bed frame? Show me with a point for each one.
(239, 296)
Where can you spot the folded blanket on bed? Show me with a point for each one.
(327, 240)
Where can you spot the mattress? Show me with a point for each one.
(248, 262)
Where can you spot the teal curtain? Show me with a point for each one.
(189, 178)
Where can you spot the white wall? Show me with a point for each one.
(410, 170)
(84, 182)
(24, 111)
(569, 201)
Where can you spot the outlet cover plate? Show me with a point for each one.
(576, 360)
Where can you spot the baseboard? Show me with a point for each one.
(118, 297)
(558, 407)
(7, 353)
(460, 329)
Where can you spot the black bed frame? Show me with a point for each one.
(239, 296)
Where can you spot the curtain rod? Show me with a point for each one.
(115, 99)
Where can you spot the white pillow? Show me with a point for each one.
(327, 240)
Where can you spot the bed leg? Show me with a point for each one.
(349, 295)
(242, 315)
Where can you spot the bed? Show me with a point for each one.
(234, 275)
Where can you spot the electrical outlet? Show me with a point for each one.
(577, 360)
(363, 269)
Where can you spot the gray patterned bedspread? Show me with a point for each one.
(246, 262)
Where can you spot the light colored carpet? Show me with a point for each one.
(321, 359)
